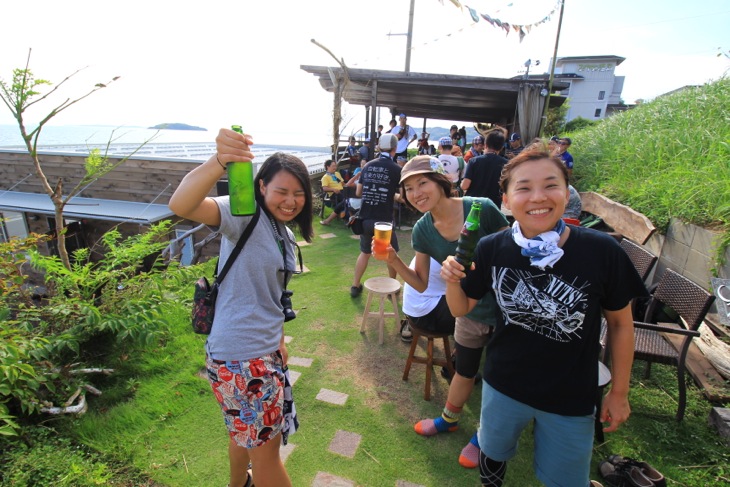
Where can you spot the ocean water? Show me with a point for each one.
(172, 144)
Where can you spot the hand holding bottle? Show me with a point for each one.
(231, 146)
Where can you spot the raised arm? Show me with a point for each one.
(190, 198)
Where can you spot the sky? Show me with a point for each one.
(222, 62)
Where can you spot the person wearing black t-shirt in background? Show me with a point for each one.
(377, 185)
(553, 284)
(483, 172)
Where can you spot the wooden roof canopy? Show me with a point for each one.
(438, 96)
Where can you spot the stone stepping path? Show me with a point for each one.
(301, 361)
(294, 376)
(344, 443)
(332, 397)
(285, 451)
(327, 235)
(324, 479)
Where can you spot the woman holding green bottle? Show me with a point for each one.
(245, 352)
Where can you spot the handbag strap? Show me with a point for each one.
(239, 245)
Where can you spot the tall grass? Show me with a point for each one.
(669, 158)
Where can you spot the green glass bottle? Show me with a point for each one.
(240, 185)
(469, 237)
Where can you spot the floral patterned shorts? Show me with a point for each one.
(251, 396)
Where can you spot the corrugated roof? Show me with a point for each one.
(92, 208)
(428, 95)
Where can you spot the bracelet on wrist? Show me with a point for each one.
(219, 161)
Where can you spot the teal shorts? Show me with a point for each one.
(563, 444)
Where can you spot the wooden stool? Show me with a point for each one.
(382, 287)
(429, 360)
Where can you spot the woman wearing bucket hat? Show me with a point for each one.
(435, 235)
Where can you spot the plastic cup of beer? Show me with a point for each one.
(383, 231)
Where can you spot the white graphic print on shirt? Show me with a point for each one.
(542, 303)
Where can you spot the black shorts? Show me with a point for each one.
(438, 320)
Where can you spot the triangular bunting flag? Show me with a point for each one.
(473, 13)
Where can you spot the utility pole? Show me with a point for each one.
(410, 37)
(543, 121)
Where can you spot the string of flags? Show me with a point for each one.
(521, 29)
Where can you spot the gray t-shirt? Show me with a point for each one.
(249, 317)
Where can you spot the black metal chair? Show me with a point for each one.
(691, 303)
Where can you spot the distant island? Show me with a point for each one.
(177, 126)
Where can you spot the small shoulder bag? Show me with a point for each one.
(205, 294)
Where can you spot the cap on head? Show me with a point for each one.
(514, 137)
(567, 140)
(454, 127)
(444, 141)
(421, 165)
(402, 115)
(478, 140)
(554, 138)
(387, 142)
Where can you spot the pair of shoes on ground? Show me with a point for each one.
(406, 334)
(469, 456)
(620, 471)
(355, 291)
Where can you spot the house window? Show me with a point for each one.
(598, 113)
(12, 224)
(601, 95)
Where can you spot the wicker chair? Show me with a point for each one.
(691, 303)
(642, 259)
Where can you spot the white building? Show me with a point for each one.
(595, 90)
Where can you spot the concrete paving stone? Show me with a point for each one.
(285, 451)
(355, 237)
(403, 483)
(345, 443)
(303, 243)
(405, 228)
(301, 361)
(332, 397)
(288, 339)
(324, 479)
(328, 235)
(294, 376)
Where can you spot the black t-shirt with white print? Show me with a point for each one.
(544, 352)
